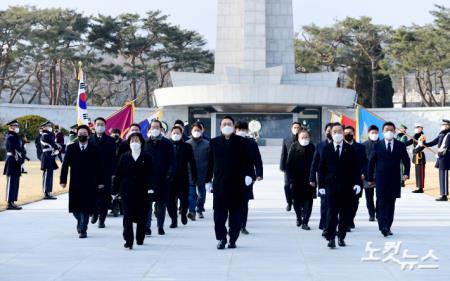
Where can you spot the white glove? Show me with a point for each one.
(357, 189)
(56, 152)
(248, 180)
(322, 191)
(209, 187)
(150, 191)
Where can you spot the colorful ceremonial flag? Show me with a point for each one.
(82, 113)
(364, 119)
(335, 117)
(347, 121)
(122, 119)
(145, 124)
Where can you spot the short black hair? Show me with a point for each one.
(86, 127)
(388, 123)
(115, 131)
(156, 121)
(135, 125)
(100, 118)
(198, 125)
(139, 135)
(241, 125)
(178, 122)
(373, 128)
(228, 117)
(337, 124)
(350, 128)
(296, 123)
(327, 125)
(176, 128)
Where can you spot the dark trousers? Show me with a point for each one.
(172, 203)
(369, 193)
(128, 234)
(385, 212)
(245, 213)
(160, 210)
(323, 211)
(287, 190)
(82, 221)
(12, 188)
(303, 209)
(420, 176)
(443, 182)
(102, 203)
(354, 210)
(234, 217)
(47, 181)
(197, 198)
(338, 216)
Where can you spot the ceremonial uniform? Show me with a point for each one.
(48, 163)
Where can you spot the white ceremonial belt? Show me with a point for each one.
(47, 149)
(9, 154)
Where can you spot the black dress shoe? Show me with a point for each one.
(385, 232)
(232, 245)
(221, 244)
(341, 242)
(305, 227)
(442, 198)
(13, 207)
(101, 224)
(49, 197)
(161, 231)
(140, 243)
(148, 231)
(129, 246)
(331, 244)
(372, 219)
(94, 219)
(174, 224)
(299, 223)
(419, 190)
(245, 231)
(83, 235)
(200, 215)
(184, 219)
(390, 233)
(17, 207)
(191, 216)
(349, 229)
(325, 234)
(288, 207)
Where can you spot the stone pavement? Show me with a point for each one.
(41, 243)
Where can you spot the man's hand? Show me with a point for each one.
(313, 184)
(322, 191)
(63, 185)
(371, 183)
(405, 177)
(357, 189)
(209, 187)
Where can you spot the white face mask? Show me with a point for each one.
(176, 137)
(294, 131)
(135, 146)
(337, 138)
(227, 130)
(417, 130)
(241, 133)
(196, 134)
(155, 132)
(443, 127)
(373, 137)
(50, 129)
(304, 142)
(17, 130)
(389, 135)
(100, 129)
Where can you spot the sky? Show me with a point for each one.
(200, 15)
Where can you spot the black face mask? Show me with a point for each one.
(348, 137)
(329, 136)
(82, 138)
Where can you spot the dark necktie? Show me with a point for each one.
(82, 147)
(389, 147)
(337, 150)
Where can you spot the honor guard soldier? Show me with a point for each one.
(48, 163)
(13, 164)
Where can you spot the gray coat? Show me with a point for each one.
(201, 153)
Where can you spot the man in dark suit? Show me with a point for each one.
(256, 169)
(369, 190)
(287, 142)
(228, 168)
(107, 149)
(313, 175)
(339, 178)
(385, 160)
(443, 161)
(360, 151)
